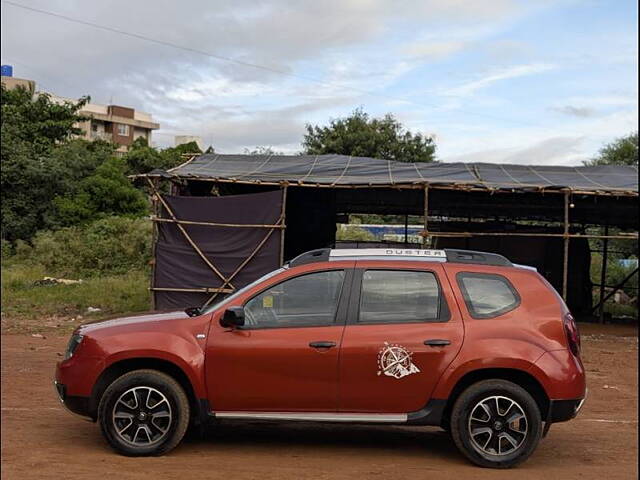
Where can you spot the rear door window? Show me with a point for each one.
(487, 295)
(400, 296)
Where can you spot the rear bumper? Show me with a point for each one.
(73, 404)
(563, 410)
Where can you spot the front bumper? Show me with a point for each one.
(74, 404)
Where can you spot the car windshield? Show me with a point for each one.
(224, 301)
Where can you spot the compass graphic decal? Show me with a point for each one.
(395, 361)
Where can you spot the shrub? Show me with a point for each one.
(111, 246)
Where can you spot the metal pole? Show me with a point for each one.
(426, 216)
(603, 271)
(565, 265)
(283, 216)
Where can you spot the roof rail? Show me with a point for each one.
(446, 255)
(479, 258)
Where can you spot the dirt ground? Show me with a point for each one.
(41, 440)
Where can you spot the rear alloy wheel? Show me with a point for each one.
(496, 423)
(144, 412)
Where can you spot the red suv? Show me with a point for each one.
(463, 340)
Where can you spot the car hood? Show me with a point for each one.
(131, 320)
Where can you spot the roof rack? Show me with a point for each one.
(446, 255)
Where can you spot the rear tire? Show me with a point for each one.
(496, 424)
(144, 412)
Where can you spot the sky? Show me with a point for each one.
(525, 82)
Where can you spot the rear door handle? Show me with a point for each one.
(322, 344)
(437, 342)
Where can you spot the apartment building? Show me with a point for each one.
(117, 124)
(113, 123)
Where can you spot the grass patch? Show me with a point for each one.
(30, 308)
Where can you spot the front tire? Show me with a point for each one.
(496, 424)
(144, 412)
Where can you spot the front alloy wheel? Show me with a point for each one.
(142, 416)
(144, 412)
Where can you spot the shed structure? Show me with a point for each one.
(229, 219)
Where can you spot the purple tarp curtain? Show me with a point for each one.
(178, 265)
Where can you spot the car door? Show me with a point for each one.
(403, 330)
(285, 357)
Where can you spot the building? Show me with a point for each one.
(117, 124)
(113, 123)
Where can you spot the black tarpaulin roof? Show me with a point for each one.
(343, 170)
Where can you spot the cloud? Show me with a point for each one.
(489, 79)
(573, 111)
(435, 64)
(550, 151)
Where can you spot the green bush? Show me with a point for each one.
(111, 246)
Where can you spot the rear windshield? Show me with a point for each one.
(487, 295)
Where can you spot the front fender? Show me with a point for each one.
(186, 354)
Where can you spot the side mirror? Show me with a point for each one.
(232, 317)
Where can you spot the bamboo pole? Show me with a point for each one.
(565, 261)
(525, 234)
(154, 243)
(426, 217)
(186, 235)
(283, 216)
(603, 272)
(212, 224)
(195, 290)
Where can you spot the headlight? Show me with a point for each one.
(73, 344)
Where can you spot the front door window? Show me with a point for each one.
(307, 300)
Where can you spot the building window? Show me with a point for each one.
(94, 127)
(123, 130)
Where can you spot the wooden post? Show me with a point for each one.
(603, 271)
(283, 217)
(154, 241)
(426, 216)
(565, 264)
(406, 229)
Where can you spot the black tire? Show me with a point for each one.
(486, 392)
(161, 413)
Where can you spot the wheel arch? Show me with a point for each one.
(516, 376)
(119, 368)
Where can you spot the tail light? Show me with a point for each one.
(573, 335)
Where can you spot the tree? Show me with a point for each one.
(141, 158)
(622, 151)
(360, 135)
(107, 192)
(267, 151)
(33, 126)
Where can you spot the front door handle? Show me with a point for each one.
(437, 342)
(322, 344)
